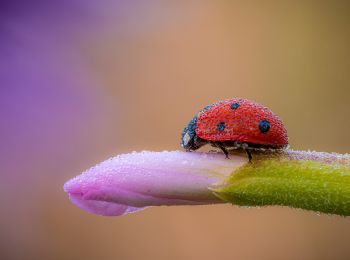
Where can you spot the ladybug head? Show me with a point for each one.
(190, 140)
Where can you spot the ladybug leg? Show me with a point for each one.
(249, 155)
(245, 148)
(224, 151)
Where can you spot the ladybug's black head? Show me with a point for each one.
(190, 140)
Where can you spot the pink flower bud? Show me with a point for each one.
(131, 182)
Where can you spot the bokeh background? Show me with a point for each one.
(82, 81)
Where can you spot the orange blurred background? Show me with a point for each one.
(130, 80)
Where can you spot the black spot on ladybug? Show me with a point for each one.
(234, 106)
(221, 126)
(264, 126)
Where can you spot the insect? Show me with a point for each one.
(235, 124)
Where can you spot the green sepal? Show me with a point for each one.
(307, 185)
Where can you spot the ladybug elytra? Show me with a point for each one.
(235, 124)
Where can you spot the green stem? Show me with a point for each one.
(311, 185)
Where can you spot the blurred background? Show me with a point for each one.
(82, 81)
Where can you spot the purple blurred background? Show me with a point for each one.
(82, 81)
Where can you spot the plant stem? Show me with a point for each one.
(307, 180)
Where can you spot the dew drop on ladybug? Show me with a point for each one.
(235, 124)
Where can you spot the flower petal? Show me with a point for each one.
(100, 207)
(130, 182)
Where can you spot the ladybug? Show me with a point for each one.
(235, 124)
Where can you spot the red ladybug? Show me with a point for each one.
(235, 124)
